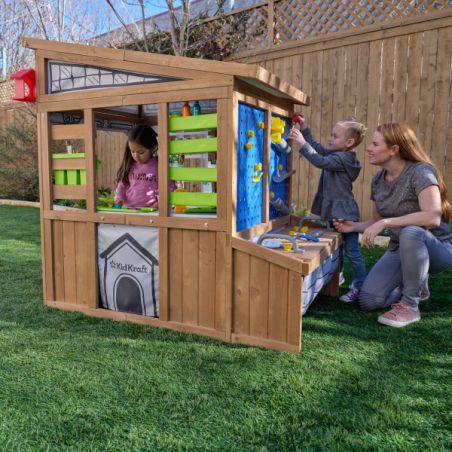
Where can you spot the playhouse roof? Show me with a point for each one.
(251, 74)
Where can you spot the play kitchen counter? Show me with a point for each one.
(273, 287)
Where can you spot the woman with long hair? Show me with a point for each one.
(410, 200)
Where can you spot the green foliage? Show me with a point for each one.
(76, 383)
(105, 197)
(19, 177)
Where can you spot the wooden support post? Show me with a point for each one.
(163, 159)
(90, 161)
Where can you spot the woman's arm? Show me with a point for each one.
(346, 226)
(429, 216)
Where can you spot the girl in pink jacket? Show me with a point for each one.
(137, 177)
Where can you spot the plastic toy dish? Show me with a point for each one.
(268, 243)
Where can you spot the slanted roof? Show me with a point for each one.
(252, 74)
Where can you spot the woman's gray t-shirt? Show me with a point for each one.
(400, 197)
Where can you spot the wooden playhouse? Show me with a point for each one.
(203, 255)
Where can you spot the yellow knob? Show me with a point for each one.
(248, 145)
(250, 133)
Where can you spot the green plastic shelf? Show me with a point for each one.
(193, 174)
(193, 123)
(77, 155)
(196, 146)
(192, 199)
(73, 176)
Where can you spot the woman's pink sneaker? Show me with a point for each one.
(400, 315)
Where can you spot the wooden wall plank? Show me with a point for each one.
(351, 80)
(164, 280)
(414, 82)
(339, 73)
(190, 276)
(83, 264)
(175, 266)
(400, 77)
(427, 88)
(259, 278)
(223, 269)
(387, 81)
(241, 295)
(294, 309)
(278, 301)
(58, 259)
(207, 279)
(69, 260)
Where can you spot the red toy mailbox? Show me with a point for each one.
(24, 85)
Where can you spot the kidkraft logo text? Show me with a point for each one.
(128, 267)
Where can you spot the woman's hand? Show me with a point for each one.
(297, 136)
(369, 234)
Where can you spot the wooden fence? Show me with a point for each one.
(396, 71)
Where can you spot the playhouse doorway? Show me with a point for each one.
(128, 294)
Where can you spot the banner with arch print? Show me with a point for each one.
(128, 269)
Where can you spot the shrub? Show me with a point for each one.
(19, 177)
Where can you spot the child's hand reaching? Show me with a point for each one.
(297, 136)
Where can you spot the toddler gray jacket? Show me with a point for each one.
(334, 197)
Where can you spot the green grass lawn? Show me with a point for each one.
(70, 382)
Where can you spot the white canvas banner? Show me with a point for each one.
(128, 269)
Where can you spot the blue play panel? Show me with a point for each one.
(250, 157)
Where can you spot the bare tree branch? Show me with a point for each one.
(143, 25)
(119, 17)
